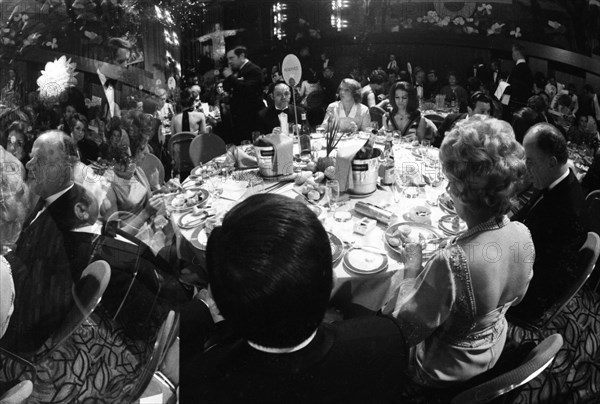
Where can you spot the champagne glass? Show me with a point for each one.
(333, 193)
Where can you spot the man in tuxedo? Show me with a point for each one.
(520, 80)
(40, 266)
(243, 81)
(268, 118)
(432, 85)
(555, 215)
(274, 295)
(495, 75)
(479, 104)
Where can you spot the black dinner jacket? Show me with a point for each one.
(245, 88)
(521, 85)
(558, 228)
(43, 280)
(355, 361)
(268, 118)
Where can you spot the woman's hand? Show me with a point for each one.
(413, 258)
(154, 205)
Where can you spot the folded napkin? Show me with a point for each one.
(240, 159)
(283, 160)
(343, 162)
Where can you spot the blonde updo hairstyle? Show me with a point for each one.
(484, 163)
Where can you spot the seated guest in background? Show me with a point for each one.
(189, 120)
(579, 133)
(405, 116)
(165, 108)
(40, 266)
(555, 217)
(456, 319)
(348, 111)
(268, 118)
(87, 147)
(16, 142)
(566, 101)
(455, 92)
(309, 86)
(130, 190)
(117, 139)
(371, 93)
(479, 104)
(284, 352)
(329, 84)
(432, 86)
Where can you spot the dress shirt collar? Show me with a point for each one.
(244, 64)
(52, 198)
(562, 177)
(520, 61)
(283, 350)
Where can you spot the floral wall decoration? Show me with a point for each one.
(74, 25)
(568, 24)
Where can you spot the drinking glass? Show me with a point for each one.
(333, 193)
(217, 187)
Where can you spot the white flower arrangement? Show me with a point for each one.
(56, 78)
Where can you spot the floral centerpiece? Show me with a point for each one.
(332, 138)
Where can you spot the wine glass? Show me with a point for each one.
(333, 193)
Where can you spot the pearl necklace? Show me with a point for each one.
(492, 224)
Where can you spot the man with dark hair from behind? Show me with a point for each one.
(270, 274)
(555, 215)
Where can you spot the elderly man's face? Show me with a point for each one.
(48, 168)
(281, 96)
(539, 164)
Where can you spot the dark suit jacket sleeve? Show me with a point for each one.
(245, 82)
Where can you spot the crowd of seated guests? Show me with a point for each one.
(482, 158)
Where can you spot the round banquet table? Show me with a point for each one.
(370, 290)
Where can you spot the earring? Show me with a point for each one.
(86, 216)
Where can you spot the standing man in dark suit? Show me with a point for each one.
(268, 118)
(274, 295)
(243, 81)
(520, 80)
(40, 267)
(495, 76)
(555, 217)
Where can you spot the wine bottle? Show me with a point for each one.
(304, 138)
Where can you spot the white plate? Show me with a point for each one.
(365, 261)
(190, 221)
(427, 235)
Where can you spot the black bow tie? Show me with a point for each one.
(283, 110)
(110, 82)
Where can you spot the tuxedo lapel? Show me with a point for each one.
(38, 207)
